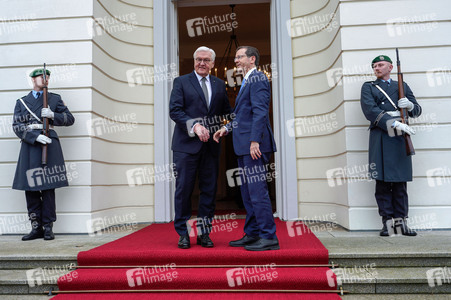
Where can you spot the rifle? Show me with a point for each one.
(45, 121)
(409, 146)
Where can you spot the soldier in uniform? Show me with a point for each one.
(387, 152)
(37, 180)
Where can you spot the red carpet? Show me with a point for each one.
(151, 261)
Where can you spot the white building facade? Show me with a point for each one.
(113, 62)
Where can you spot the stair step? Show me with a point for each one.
(391, 281)
(375, 281)
(15, 282)
(26, 263)
(390, 260)
(428, 249)
(24, 297)
(396, 297)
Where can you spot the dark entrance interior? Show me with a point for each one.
(214, 27)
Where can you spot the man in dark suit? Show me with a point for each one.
(254, 144)
(393, 167)
(198, 103)
(37, 180)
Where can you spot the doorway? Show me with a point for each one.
(223, 28)
(166, 52)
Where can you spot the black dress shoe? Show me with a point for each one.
(263, 245)
(35, 233)
(184, 242)
(245, 240)
(48, 233)
(205, 241)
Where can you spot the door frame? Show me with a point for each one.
(166, 37)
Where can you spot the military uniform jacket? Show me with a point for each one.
(31, 175)
(386, 151)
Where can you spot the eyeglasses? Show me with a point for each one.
(239, 57)
(206, 60)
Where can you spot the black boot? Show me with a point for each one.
(35, 233)
(384, 231)
(406, 230)
(48, 233)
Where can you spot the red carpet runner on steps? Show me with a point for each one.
(150, 260)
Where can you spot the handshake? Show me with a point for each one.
(204, 134)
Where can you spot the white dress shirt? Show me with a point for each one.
(207, 83)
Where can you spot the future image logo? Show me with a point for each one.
(234, 177)
(438, 77)
(438, 276)
(296, 228)
(438, 176)
(411, 24)
(149, 275)
(208, 25)
(249, 275)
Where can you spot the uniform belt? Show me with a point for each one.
(38, 126)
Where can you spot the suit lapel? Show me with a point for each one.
(214, 90)
(196, 85)
(243, 88)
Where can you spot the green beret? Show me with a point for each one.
(38, 72)
(381, 58)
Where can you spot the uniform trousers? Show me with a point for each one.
(392, 199)
(41, 205)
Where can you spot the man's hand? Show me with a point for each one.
(201, 132)
(43, 139)
(405, 103)
(219, 134)
(403, 127)
(47, 113)
(255, 150)
(395, 113)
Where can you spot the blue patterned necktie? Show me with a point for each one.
(242, 86)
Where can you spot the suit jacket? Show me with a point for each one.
(187, 106)
(386, 152)
(31, 175)
(251, 112)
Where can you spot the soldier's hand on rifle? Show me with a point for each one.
(403, 127)
(47, 113)
(43, 139)
(395, 113)
(405, 103)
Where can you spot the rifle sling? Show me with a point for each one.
(29, 110)
(387, 96)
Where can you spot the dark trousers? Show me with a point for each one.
(41, 205)
(254, 191)
(392, 199)
(203, 165)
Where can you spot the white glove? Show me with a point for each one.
(395, 113)
(43, 139)
(405, 103)
(47, 113)
(403, 127)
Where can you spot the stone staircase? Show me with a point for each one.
(369, 266)
(391, 267)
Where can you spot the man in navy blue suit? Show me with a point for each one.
(254, 144)
(198, 104)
